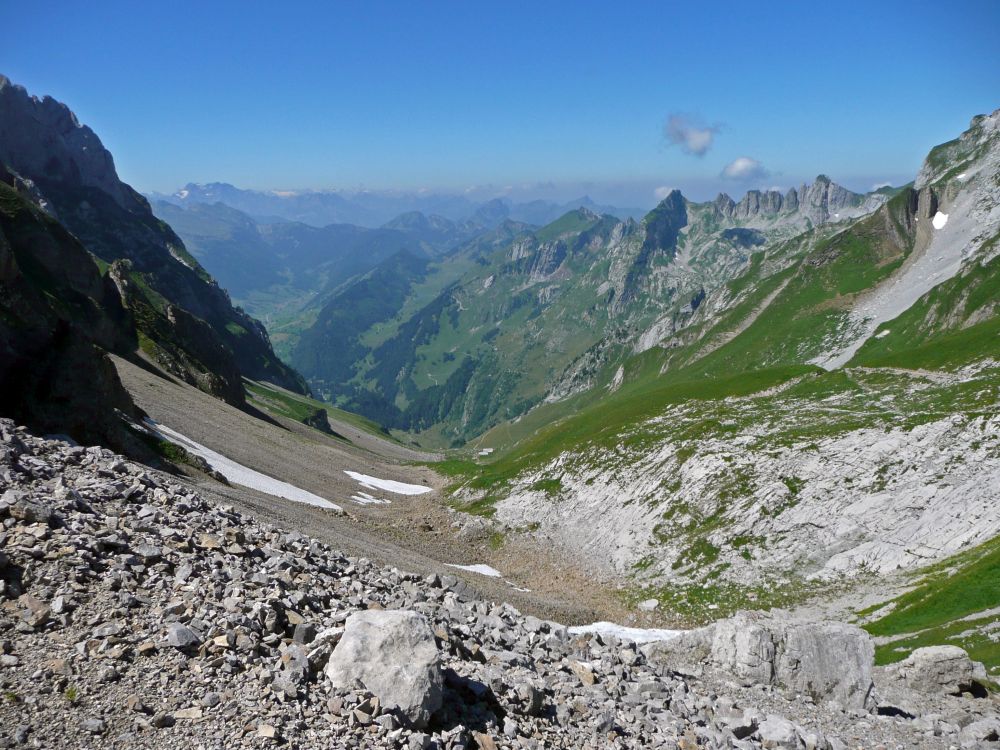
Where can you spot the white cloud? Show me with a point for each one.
(690, 133)
(879, 185)
(662, 192)
(745, 169)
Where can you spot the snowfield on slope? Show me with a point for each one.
(388, 485)
(238, 473)
(636, 635)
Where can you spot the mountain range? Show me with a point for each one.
(521, 315)
(373, 208)
(784, 400)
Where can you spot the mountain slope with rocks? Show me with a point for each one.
(723, 469)
(135, 612)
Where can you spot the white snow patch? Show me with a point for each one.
(363, 498)
(939, 220)
(491, 572)
(637, 635)
(238, 473)
(962, 176)
(400, 488)
(483, 570)
(883, 334)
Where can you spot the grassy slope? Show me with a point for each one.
(955, 323)
(298, 407)
(766, 353)
(947, 605)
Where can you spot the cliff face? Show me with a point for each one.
(818, 202)
(67, 171)
(57, 318)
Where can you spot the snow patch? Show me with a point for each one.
(483, 570)
(400, 488)
(883, 334)
(363, 498)
(490, 572)
(636, 635)
(238, 473)
(939, 220)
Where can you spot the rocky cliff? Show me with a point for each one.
(821, 201)
(67, 171)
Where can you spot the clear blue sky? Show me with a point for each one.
(451, 94)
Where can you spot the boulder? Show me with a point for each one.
(824, 660)
(182, 637)
(984, 730)
(940, 670)
(394, 655)
(778, 732)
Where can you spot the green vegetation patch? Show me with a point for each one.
(935, 611)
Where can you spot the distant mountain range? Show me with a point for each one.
(373, 209)
(522, 313)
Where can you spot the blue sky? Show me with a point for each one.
(551, 98)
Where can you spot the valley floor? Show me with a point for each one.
(417, 533)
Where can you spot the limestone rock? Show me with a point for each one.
(393, 654)
(940, 670)
(824, 660)
(778, 732)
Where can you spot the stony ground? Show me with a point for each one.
(416, 533)
(135, 613)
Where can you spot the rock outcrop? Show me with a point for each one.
(940, 670)
(821, 201)
(57, 318)
(43, 137)
(63, 167)
(828, 661)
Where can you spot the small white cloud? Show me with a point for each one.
(745, 169)
(690, 133)
(662, 192)
(879, 185)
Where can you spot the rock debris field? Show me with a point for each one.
(134, 614)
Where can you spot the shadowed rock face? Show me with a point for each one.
(43, 138)
(56, 316)
(66, 170)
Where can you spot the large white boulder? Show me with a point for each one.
(394, 655)
(825, 660)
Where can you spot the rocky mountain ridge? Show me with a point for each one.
(535, 319)
(819, 202)
(186, 321)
